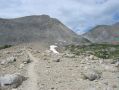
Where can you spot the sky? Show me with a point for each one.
(79, 15)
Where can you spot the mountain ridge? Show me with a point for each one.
(41, 28)
(104, 34)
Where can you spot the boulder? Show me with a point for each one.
(117, 64)
(91, 75)
(92, 57)
(8, 60)
(115, 61)
(11, 59)
(12, 80)
(27, 60)
(3, 62)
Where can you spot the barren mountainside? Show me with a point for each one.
(40, 28)
(104, 34)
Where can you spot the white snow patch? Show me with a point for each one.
(53, 49)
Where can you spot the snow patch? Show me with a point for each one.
(53, 49)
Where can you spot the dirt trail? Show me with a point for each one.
(32, 81)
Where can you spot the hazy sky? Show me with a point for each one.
(79, 15)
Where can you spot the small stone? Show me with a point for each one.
(45, 59)
(27, 60)
(14, 89)
(106, 83)
(21, 66)
(92, 88)
(42, 84)
(48, 67)
(114, 86)
(91, 57)
(57, 60)
(52, 88)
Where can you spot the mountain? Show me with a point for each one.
(104, 34)
(35, 28)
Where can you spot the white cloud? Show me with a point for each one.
(79, 15)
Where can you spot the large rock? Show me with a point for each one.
(8, 60)
(3, 62)
(11, 80)
(27, 60)
(92, 57)
(11, 59)
(116, 62)
(91, 75)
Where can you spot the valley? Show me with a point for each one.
(41, 53)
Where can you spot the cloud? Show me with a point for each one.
(79, 15)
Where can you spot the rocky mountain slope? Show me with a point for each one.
(104, 34)
(30, 68)
(36, 29)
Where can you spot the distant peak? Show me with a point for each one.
(36, 16)
(45, 15)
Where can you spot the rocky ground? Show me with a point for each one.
(28, 68)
